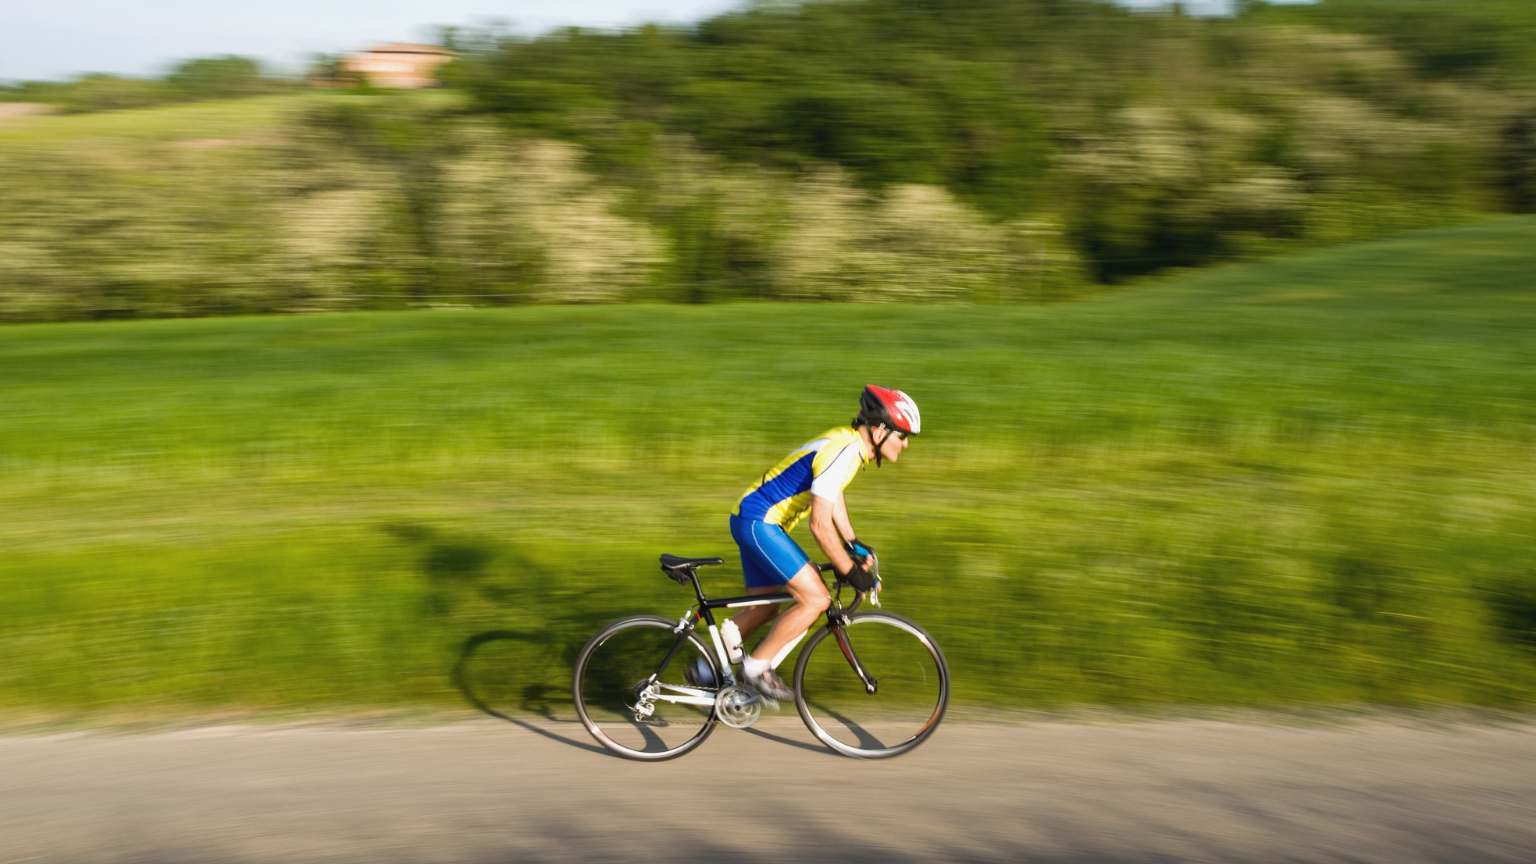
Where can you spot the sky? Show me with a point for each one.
(58, 39)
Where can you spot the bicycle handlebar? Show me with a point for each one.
(858, 596)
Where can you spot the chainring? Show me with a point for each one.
(738, 707)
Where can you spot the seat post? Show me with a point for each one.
(698, 591)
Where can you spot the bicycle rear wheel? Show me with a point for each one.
(624, 709)
(910, 678)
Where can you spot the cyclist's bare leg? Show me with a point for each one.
(811, 600)
(753, 617)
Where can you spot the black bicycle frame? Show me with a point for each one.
(837, 618)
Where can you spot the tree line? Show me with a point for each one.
(1157, 139)
(199, 78)
(988, 150)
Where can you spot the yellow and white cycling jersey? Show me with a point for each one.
(823, 466)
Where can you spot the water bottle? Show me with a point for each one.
(732, 638)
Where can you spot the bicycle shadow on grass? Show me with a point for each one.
(505, 673)
(496, 690)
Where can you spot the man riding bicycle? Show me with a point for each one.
(811, 480)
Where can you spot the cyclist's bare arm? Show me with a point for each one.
(830, 526)
(846, 528)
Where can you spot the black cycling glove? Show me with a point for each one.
(860, 577)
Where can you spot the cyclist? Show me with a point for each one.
(811, 480)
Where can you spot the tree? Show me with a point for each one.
(223, 77)
(1517, 162)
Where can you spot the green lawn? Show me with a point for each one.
(1309, 481)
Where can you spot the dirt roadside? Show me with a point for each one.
(14, 110)
(491, 791)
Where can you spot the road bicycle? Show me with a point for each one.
(880, 694)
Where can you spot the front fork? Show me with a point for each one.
(839, 624)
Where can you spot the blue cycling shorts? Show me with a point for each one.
(769, 559)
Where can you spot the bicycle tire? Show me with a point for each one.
(905, 711)
(606, 679)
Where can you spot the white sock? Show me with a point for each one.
(753, 667)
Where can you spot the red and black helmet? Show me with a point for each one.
(892, 407)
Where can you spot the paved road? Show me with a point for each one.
(494, 792)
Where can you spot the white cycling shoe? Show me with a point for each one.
(771, 686)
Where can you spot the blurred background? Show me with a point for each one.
(379, 379)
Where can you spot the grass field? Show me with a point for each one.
(1308, 481)
(227, 121)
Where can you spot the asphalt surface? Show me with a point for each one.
(496, 791)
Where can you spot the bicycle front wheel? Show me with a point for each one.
(632, 704)
(903, 700)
